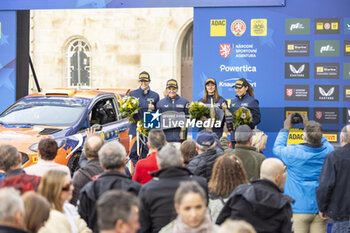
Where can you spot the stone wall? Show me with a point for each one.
(123, 43)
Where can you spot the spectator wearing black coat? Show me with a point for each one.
(333, 191)
(112, 158)
(157, 196)
(85, 174)
(262, 202)
(208, 152)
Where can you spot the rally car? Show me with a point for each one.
(64, 115)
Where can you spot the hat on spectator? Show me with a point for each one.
(144, 76)
(242, 82)
(205, 138)
(171, 83)
(210, 80)
(243, 133)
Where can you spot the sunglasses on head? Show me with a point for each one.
(67, 186)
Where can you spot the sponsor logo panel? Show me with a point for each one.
(326, 115)
(218, 27)
(296, 70)
(238, 27)
(346, 71)
(331, 135)
(295, 48)
(346, 93)
(244, 68)
(326, 71)
(327, 25)
(326, 93)
(258, 27)
(295, 136)
(347, 48)
(346, 25)
(327, 48)
(300, 26)
(346, 115)
(225, 50)
(296, 92)
(291, 110)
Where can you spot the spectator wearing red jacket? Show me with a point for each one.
(156, 140)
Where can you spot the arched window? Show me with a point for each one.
(78, 63)
(187, 63)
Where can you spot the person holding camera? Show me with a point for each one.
(304, 164)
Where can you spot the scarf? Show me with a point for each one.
(206, 226)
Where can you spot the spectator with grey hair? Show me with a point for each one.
(334, 190)
(157, 196)
(125, 218)
(208, 152)
(156, 140)
(247, 153)
(11, 211)
(304, 164)
(112, 157)
(15, 176)
(81, 177)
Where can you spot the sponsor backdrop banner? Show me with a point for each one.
(7, 58)
(296, 57)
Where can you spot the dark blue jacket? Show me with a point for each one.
(144, 100)
(248, 102)
(217, 131)
(178, 104)
(333, 191)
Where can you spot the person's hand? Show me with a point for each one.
(90, 131)
(323, 215)
(223, 106)
(204, 118)
(304, 117)
(288, 122)
(151, 107)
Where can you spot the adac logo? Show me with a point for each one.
(225, 50)
(218, 27)
(318, 114)
(238, 27)
(152, 120)
(258, 27)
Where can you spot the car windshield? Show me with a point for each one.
(55, 111)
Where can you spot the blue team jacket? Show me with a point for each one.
(144, 100)
(304, 164)
(248, 102)
(178, 104)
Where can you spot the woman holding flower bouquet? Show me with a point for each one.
(213, 99)
(244, 108)
(147, 100)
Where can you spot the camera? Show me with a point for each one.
(296, 118)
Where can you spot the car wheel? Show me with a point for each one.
(73, 163)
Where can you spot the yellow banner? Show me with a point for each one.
(295, 136)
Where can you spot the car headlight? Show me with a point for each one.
(60, 143)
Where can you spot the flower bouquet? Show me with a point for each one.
(242, 116)
(198, 110)
(129, 106)
(141, 129)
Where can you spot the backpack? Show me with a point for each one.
(89, 174)
(22, 183)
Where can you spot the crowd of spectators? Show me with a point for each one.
(201, 187)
